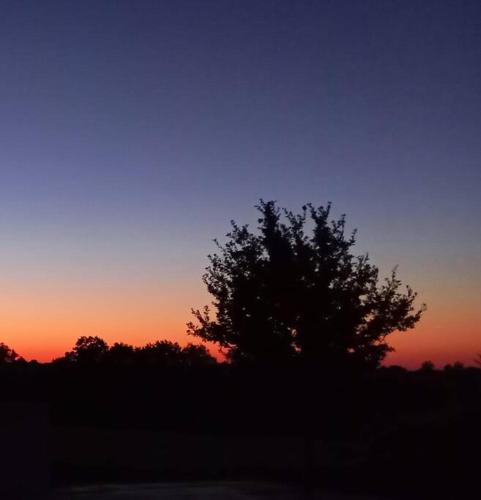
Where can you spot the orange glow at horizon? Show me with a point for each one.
(43, 327)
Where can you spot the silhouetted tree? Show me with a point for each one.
(121, 354)
(283, 294)
(7, 355)
(170, 354)
(427, 366)
(197, 355)
(160, 353)
(88, 351)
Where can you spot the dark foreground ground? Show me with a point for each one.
(386, 434)
(198, 491)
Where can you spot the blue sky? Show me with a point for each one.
(132, 132)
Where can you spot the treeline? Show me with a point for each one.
(93, 350)
(89, 351)
(163, 385)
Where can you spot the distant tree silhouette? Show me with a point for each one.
(88, 351)
(282, 294)
(162, 352)
(7, 355)
(427, 366)
(168, 354)
(121, 354)
(197, 355)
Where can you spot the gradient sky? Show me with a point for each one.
(131, 132)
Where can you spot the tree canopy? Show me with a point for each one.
(7, 355)
(294, 290)
(88, 350)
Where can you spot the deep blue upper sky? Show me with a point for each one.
(133, 131)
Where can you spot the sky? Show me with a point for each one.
(132, 132)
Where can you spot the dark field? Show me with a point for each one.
(217, 431)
